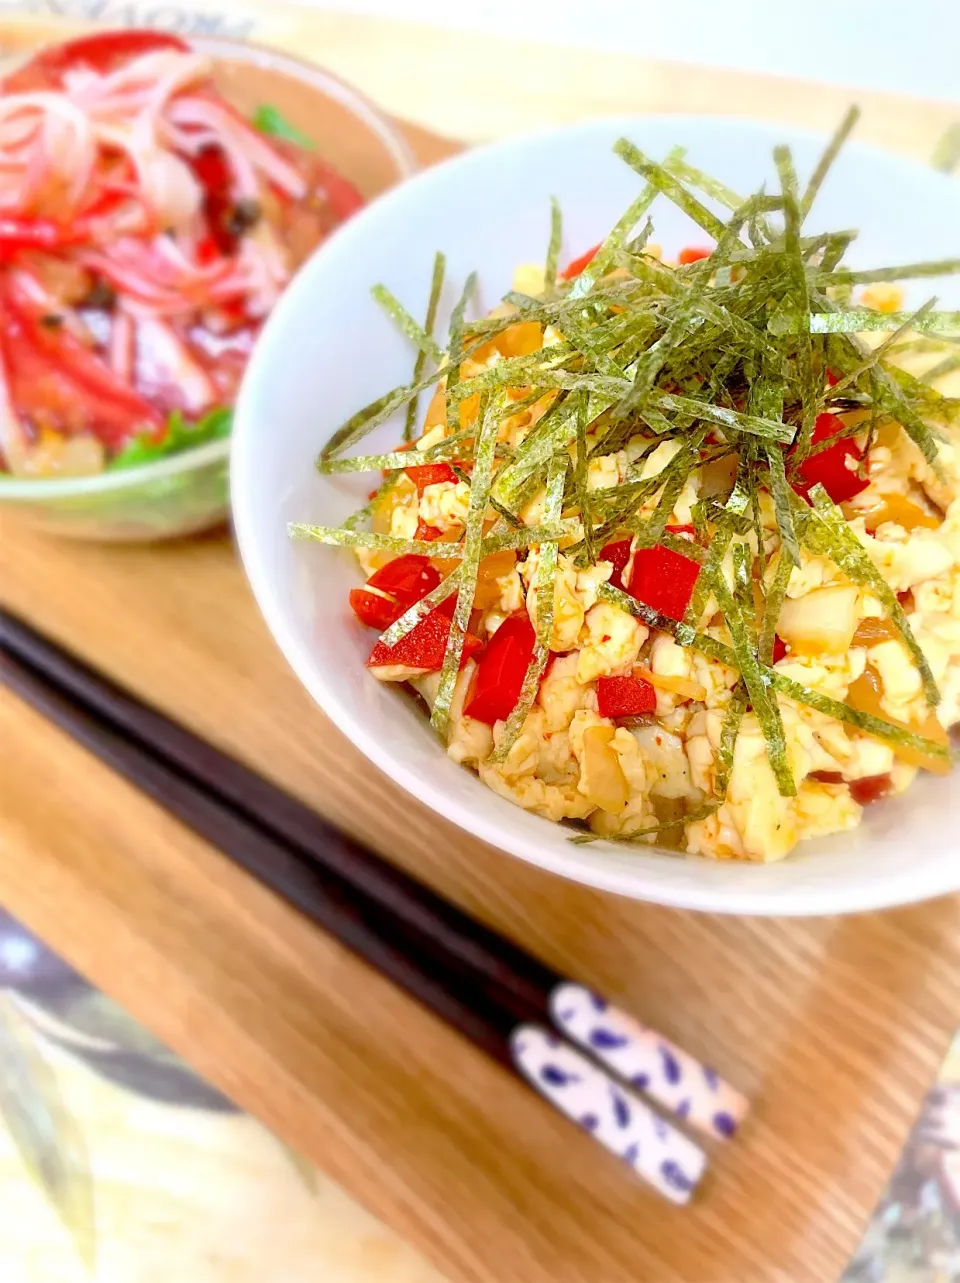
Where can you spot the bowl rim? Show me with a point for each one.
(906, 886)
(38, 489)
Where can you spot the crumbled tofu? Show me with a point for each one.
(574, 593)
(669, 770)
(667, 659)
(404, 519)
(610, 642)
(445, 504)
(528, 278)
(606, 470)
(570, 763)
(561, 694)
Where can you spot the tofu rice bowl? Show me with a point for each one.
(673, 555)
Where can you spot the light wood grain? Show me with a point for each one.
(835, 1027)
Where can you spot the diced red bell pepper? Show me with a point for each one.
(870, 789)
(619, 554)
(779, 649)
(424, 645)
(430, 474)
(664, 580)
(625, 697)
(427, 532)
(496, 684)
(373, 610)
(693, 254)
(832, 378)
(830, 468)
(576, 267)
(685, 532)
(406, 578)
(101, 52)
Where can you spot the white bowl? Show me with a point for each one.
(327, 350)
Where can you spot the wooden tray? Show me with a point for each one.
(835, 1027)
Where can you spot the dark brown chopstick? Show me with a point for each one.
(670, 1077)
(618, 1119)
(458, 934)
(440, 939)
(321, 897)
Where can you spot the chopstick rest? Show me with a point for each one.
(648, 1061)
(613, 1115)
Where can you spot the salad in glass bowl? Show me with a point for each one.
(155, 200)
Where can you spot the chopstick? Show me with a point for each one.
(667, 1074)
(619, 1120)
(502, 996)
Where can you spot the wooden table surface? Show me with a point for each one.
(834, 1027)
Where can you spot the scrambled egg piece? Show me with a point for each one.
(468, 741)
(653, 464)
(528, 278)
(510, 586)
(812, 573)
(906, 560)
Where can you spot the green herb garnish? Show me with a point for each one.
(270, 121)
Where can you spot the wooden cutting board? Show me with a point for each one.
(834, 1027)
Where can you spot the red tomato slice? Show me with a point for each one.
(870, 789)
(693, 254)
(496, 684)
(576, 267)
(216, 178)
(625, 697)
(430, 474)
(427, 532)
(407, 578)
(373, 610)
(57, 382)
(100, 52)
(342, 196)
(424, 645)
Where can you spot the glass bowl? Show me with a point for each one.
(188, 492)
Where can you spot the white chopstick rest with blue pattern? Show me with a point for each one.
(649, 1062)
(612, 1114)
